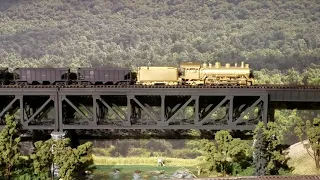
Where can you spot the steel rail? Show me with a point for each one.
(260, 86)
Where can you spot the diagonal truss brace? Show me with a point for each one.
(88, 110)
(110, 108)
(25, 123)
(152, 111)
(247, 110)
(91, 122)
(9, 106)
(207, 117)
(145, 109)
(118, 109)
(166, 123)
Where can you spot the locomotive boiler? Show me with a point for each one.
(206, 74)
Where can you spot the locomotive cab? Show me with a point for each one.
(190, 73)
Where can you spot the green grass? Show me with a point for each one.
(302, 162)
(126, 171)
(101, 160)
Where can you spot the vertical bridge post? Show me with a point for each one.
(56, 136)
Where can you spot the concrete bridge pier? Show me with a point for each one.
(56, 135)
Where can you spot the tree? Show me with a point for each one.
(9, 148)
(312, 130)
(260, 151)
(276, 156)
(268, 151)
(37, 166)
(42, 158)
(226, 155)
(71, 160)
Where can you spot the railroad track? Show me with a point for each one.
(261, 86)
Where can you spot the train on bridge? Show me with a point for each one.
(188, 73)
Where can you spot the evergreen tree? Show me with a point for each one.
(277, 156)
(42, 158)
(260, 151)
(9, 148)
(71, 160)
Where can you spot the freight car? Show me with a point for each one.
(29, 76)
(108, 76)
(63, 76)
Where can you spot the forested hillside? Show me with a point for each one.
(267, 34)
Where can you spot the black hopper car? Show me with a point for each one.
(108, 76)
(63, 76)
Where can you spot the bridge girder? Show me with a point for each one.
(163, 110)
(60, 109)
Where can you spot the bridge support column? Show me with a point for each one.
(56, 136)
(271, 113)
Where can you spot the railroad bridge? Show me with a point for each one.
(151, 107)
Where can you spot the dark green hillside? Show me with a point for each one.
(267, 34)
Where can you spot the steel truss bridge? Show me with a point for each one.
(150, 107)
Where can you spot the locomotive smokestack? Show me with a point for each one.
(242, 64)
(235, 64)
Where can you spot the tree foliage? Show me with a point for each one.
(37, 166)
(226, 155)
(260, 151)
(312, 130)
(70, 161)
(9, 148)
(266, 34)
(42, 158)
(270, 155)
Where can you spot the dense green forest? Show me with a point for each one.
(279, 39)
(267, 34)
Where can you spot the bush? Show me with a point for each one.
(139, 152)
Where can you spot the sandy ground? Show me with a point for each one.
(301, 160)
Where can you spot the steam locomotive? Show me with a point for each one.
(188, 73)
(191, 73)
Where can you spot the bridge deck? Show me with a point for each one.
(277, 93)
